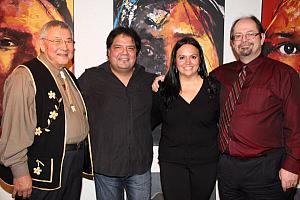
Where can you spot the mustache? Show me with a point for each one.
(247, 43)
(123, 57)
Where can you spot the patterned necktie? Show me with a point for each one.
(229, 108)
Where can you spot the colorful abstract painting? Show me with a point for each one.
(161, 23)
(281, 18)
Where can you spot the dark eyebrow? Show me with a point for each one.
(18, 35)
(282, 34)
(59, 38)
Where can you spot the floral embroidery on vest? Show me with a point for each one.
(37, 170)
(52, 114)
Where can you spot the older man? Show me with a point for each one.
(45, 123)
(260, 129)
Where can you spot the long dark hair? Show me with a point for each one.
(170, 88)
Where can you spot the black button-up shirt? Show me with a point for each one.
(119, 118)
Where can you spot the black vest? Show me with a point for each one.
(45, 155)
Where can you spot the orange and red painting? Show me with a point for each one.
(20, 23)
(160, 23)
(281, 18)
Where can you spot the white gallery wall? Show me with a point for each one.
(93, 20)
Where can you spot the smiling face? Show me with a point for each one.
(247, 48)
(283, 34)
(187, 60)
(122, 54)
(58, 46)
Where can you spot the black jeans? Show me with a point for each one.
(252, 178)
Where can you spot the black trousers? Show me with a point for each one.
(71, 180)
(187, 182)
(252, 179)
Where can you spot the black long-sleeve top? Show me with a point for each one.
(119, 120)
(189, 131)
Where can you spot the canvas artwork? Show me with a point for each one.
(20, 23)
(161, 23)
(281, 18)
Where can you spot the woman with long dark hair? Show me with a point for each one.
(187, 105)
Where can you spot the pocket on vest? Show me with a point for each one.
(41, 169)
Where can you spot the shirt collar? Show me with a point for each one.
(54, 70)
(253, 65)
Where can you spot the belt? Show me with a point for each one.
(75, 147)
(264, 154)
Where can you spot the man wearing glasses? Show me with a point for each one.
(259, 123)
(44, 122)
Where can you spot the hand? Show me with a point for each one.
(22, 187)
(155, 84)
(288, 179)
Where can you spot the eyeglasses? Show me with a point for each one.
(58, 42)
(248, 36)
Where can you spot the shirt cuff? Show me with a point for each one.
(20, 170)
(291, 165)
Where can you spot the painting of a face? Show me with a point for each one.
(283, 34)
(161, 24)
(20, 23)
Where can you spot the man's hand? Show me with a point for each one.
(288, 179)
(22, 187)
(155, 84)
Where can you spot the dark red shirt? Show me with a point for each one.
(267, 114)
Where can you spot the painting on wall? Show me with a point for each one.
(20, 23)
(161, 23)
(281, 18)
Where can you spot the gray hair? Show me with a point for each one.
(54, 23)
